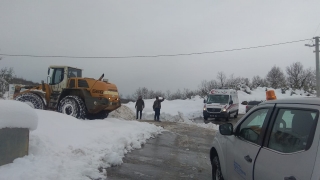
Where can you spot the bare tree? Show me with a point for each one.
(176, 95)
(276, 78)
(256, 81)
(245, 81)
(221, 78)
(6, 75)
(310, 83)
(187, 94)
(206, 86)
(168, 94)
(159, 94)
(297, 76)
(233, 82)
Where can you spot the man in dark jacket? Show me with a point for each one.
(139, 106)
(156, 108)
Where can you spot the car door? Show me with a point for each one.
(244, 146)
(289, 151)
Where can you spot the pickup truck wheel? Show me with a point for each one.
(216, 169)
(31, 99)
(73, 106)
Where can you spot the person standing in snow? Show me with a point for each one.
(139, 106)
(156, 108)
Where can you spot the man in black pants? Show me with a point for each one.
(156, 108)
(139, 106)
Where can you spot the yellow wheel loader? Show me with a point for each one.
(67, 92)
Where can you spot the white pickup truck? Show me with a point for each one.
(277, 139)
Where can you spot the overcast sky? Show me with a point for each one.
(146, 27)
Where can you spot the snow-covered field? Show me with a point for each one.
(62, 147)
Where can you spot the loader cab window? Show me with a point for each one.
(57, 76)
(72, 72)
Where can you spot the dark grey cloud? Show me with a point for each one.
(125, 28)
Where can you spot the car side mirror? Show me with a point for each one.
(226, 129)
(204, 101)
(231, 102)
(244, 103)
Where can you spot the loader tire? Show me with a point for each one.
(31, 99)
(73, 106)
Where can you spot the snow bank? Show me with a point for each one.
(192, 108)
(15, 114)
(123, 112)
(63, 147)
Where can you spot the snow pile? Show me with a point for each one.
(123, 112)
(63, 147)
(15, 114)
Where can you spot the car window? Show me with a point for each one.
(250, 129)
(291, 130)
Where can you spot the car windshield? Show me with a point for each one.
(222, 99)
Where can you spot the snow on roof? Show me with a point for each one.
(15, 114)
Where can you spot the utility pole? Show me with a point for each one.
(316, 45)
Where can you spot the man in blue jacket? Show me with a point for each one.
(156, 108)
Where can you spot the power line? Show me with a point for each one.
(148, 56)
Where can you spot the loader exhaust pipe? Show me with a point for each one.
(101, 77)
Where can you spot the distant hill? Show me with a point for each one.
(17, 80)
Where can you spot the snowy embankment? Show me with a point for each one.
(190, 109)
(63, 147)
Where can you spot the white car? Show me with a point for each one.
(277, 139)
(221, 103)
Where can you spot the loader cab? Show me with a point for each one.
(58, 76)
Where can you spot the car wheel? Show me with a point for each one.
(216, 168)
